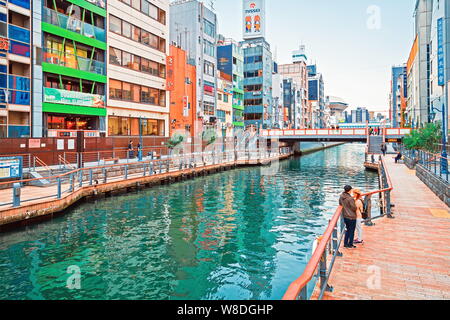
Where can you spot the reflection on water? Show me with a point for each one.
(233, 235)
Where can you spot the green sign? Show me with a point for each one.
(73, 98)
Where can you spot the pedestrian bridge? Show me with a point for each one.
(338, 135)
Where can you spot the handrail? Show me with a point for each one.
(299, 284)
(72, 172)
(65, 162)
(42, 163)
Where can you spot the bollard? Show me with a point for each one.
(16, 195)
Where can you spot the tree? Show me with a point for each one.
(426, 138)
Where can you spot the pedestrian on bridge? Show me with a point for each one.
(349, 211)
(359, 215)
(384, 149)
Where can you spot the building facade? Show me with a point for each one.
(138, 44)
(316, 97)
(182, 85)
(15, 68)
(74, 52)
(230, 57)
(398, 94)
(258, 83)
(225, 105)
(194, 29)
(298, 72)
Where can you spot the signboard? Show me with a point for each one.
(254, 17)
(11, 167)
(34, 143)
(441, 59)
(73, 98)
(170, 81)
(4, 44)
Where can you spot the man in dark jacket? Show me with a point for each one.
(349, 211)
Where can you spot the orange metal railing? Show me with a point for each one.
(298, 287)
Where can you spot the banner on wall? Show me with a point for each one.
(254, 15)
(170, 81)
(52, 95)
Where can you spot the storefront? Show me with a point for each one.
(128, 126)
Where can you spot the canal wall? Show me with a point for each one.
(47, 208)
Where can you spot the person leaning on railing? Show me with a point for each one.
(349, 211)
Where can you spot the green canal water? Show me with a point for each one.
(240, 234)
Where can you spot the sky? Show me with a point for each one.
(353, 42)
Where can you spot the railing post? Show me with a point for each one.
(58, 192)
(91, 175)
(160, 166)
(335, 242)
(71, 181)
(145, 169)
(80, 178)
(151, 168)
(16, 195)
(105, 178)
(168, 166)
(126, 173)
(304, 293)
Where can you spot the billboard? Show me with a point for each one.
(254, 18)
(52, 95)
(10, 167)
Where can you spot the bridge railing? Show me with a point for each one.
(320, 266)
(333, 132)
(431, 162)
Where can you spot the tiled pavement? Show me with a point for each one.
(405, 258)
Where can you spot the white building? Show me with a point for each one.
(138, 33)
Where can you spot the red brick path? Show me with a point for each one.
(411, 253)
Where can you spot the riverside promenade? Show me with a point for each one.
(406, 258)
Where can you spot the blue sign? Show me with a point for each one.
(11, 167)
(441, 58)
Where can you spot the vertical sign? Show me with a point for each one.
(441, 63)
(254, 18)
(170, 74)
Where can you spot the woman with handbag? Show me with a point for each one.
(359, 215)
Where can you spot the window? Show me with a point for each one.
(115, 89)
(153, 11)
(126, 29)
(115, 56)
(145, 37)
(154, 96)
(209, 48)
(115, 25)
(219, 97)
(135, 93)
(209, 68)
(153, 42)
(126, 59)
(136, 34)
(225, 98)
(136, 4)
(209, 28)
(126, 91)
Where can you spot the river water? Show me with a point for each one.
(241, 234)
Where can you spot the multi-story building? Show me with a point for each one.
(277, 99)
(230, 57)
(360, 115)
(316, 96)
(182, 85)
(292, 104)
(225, 104)
(73, 69)
(15, 68)
(398, 94)
(337, 108)
(257, 83)
(412, 113)
(298, 72)
(137, 48)
(193, 28)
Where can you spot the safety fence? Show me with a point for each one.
(58, 186)
(435, 164)
(321, 264)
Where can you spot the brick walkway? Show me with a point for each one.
(411, 253)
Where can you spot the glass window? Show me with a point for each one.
(153, 11)
(162, 16)
(154, 68)
(128, 2)
(145, 37)
(126, 91)
(115, 89)
(126, 29)
(154, 96)
(162, 44)
(136, 36)
(115, 24)
(162, 71)
(154, 41)
(162, 98)
(115, 56)
(135, 63)
(209, 28)
(145, 95)
(126, 59)
(136, 4)
(125, 126)
(113, 126)
(135, 93)
(145, 7)
(145, 65)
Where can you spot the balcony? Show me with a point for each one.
(74, 62)
(19, 34)
(73, 24)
